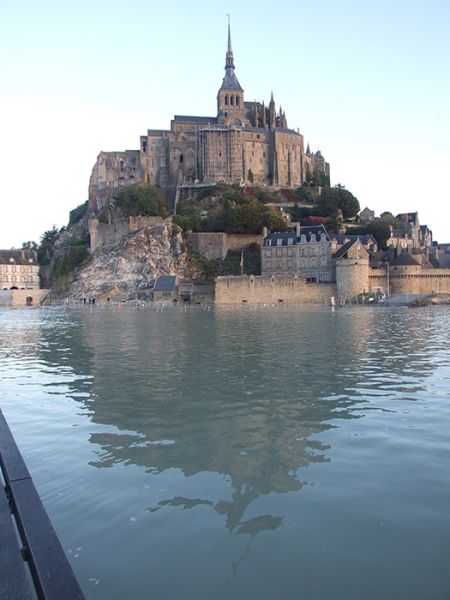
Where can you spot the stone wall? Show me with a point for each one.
(214, 246)
(288, 289)
(102, 234)
(18, 298)
(422, 281)
(426, 282)
(136, 223)
(352, 277)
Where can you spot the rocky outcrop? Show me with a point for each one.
(127, 269)
(431, 300)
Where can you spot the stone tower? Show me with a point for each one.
(230, 98)
(352, 271)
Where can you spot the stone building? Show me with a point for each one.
(306, 251)
(244, 142)
(19, 269)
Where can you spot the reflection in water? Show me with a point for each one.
(252, 397)
(230, 393)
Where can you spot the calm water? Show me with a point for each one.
(239, 453)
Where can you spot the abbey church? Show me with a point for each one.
(247, 142)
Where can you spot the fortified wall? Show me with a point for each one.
(410, 280)
(110, 233)
(215, 246)
(257, 289)
(18, 298)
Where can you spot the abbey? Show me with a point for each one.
(247, 142)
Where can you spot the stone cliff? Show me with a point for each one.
(127, 269)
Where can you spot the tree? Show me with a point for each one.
(333, 200)
(140, 200)
(29, 246)
(381, 231)
(388, 217)
(250, 176)
(46, 247)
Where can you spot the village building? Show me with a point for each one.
(19, 269)
(245, 142)
(305, 251)
(367, 215)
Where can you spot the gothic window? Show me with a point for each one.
(181, 158)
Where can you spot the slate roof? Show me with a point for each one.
(165, 283)
(345, 248)
(314, 229)
(365, 239)
(195, 119)
(286, 235)
(404, 260)
(280, 235)
(230, 81)
(19, 257)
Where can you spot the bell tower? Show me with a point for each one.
(230, 98)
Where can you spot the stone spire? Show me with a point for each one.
(229, 61)
(272, 113)
(230, 81)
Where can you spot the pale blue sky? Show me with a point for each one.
(366, 82)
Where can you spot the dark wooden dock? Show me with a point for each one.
(33, 563)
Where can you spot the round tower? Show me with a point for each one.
(352, 276)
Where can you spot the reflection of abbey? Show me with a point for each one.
(246, 141)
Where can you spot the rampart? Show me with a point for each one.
(404, 281)
(102, 234)
(257, 289)
(215, 246)
(18, 298)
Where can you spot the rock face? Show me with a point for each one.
(127, 270)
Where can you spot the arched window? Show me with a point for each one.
(237, 100)
(226, 100)
(232, 100)
(181, 158)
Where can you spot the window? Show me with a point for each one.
(279, 265)
(232, 100)
(268, 252)
(181, 158)
(279, 242)
(237, 100)
(324, 261)
(304, 252)
(279, 252)
(226, 100)
(290, 252)
(290, 264)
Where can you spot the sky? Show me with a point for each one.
(365, 82)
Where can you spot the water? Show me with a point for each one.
(238, 453)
